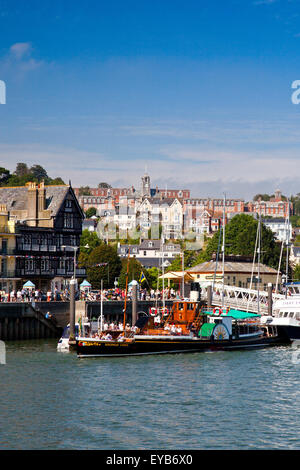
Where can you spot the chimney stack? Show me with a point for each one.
(41, 197)
(32, 203)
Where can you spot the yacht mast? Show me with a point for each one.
(163, 271)
(287, 248)
(258, 259)
(223, 251)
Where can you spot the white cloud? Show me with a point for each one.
(238, 174)
(20, 49)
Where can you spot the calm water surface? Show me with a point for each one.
(221, 400)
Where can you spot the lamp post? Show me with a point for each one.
(74, 248)
(164, 265)
(72, 338)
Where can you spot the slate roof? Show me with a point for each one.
(15, 198)
(235, 267)
(165, 200)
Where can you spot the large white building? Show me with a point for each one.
(280, 228)
(165, 212)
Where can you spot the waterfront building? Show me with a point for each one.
(48, 226)
(8, 278)
(236, 274)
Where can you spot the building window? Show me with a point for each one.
(29, 265)
(68, 220)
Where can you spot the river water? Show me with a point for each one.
(219, 400)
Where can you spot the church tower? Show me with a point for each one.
(146, 192)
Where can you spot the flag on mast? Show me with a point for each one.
(142, 277)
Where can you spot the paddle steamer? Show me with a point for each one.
(187, 328)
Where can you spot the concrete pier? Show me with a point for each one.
(22, 321)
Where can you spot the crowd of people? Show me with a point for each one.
(38, 295)
(119, 294)
(35, 295)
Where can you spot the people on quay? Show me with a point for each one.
(108, 336)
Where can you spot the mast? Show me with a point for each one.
(287, 248)
(253, 263)
(163, 271)
(223, 251)
(126, 289)
(101, 307)
(258, 259)
(182, 267)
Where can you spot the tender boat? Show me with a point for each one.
(187, 328)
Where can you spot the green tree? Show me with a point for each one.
(4, 175)
(240, 236)
(90, 212)
(263, 197)
(55, 181)
(297, 240)
(21, 169)
(151, 275)
(134, 271)
(84, 191)
(91, 240)
(109, 266)
(104, 185)
(38, 172)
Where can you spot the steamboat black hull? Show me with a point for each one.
(146, 346)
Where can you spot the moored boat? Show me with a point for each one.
(188, 328)
(287, 317)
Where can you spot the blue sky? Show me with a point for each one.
(198, 92)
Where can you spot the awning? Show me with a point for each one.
(85, 283)
(177, 275)
(28, 284)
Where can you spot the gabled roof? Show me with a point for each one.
(160, 202)
(15, 198)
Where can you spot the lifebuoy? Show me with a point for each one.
(152, 311)
(219, 311)
(165, 312)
